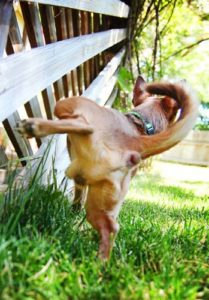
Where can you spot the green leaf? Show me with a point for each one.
(124, 79)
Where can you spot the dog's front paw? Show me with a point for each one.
(28, 128)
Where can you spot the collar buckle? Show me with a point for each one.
(148, 126)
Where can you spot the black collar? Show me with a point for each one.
(148, 126)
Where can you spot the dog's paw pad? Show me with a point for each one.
(27, 128)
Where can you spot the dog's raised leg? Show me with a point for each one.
(36, 127)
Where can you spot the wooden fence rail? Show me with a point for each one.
(52, 49)
(39, 67)
(110, 7)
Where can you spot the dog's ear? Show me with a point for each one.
(139, 87)
(139, 93)
(170, 107)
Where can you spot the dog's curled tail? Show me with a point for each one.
(188, 103)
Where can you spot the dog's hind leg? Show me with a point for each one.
(79, 197)
(36, 127)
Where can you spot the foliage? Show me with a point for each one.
(125, 84)
(124, 79)
(203, 120)
(48, 252)
(170, 40)
(202, 124)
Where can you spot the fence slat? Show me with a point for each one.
(111, 7)
(47, 94)
(21, 145)
(4, 29)
(61, 29)
(112, 97)
(5, 16)
(50, 34)
(35, 74)
(94, 90)
(32, 106)
(84, 30)
(70, 30)
(76, 29)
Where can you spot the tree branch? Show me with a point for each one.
(187, 48)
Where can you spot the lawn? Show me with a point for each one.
(161, 252)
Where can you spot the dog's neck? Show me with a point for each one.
(151, 113)
(141, 123)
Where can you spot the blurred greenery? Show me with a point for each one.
(124, 79)
(173, 43)
(169, 41)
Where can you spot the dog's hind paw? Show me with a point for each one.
(28, 128)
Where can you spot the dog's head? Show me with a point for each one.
(141, 97)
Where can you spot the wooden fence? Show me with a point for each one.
(52, 49)
(193, 150)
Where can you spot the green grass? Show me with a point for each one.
(161, 252)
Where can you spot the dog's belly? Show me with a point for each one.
(87, 172)
(93, 159)
(80, 151)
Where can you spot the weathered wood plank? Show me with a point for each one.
(50, 34)
(76, 22)
(20, 144)
(35, 74)
(32, 106)
(47, 94)
(94, 91)
(70, 33)
(3, 159)
(107, 90)
(85, 30)
(61, 29)
(96, 21)
(15, 35)
(111, 7)
(112, 97)
(5, 15)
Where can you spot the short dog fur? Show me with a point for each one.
(106, 146)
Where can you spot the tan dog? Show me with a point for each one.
(106, 146)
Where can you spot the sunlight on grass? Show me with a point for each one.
(193, 177)
(172, 185)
